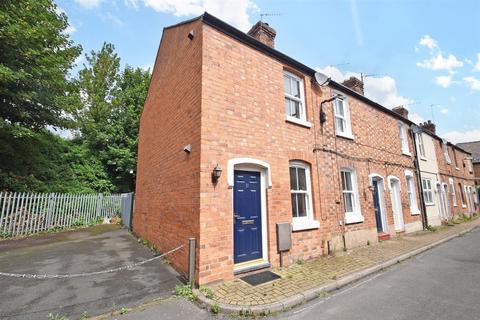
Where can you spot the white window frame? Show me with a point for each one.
(347, 132)
(421, 145)
(445, 152)
(404, 139)
(428, 190)
(302, 119)
(470, 165)
(307, 222)
(452, 191)
(411, 193)
(356, 215)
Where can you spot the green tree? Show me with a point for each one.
(109, 118)
(36, 55)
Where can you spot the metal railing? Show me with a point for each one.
(29, 213)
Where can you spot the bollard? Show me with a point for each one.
(191, 262)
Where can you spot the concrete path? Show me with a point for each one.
(442, 283)
(85, 250)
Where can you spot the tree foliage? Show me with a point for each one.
(35, 57)
(36, 91)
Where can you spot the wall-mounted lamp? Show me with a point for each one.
(187, 148)
(323, 115)
(191, 34)
(371, 188)
(216, 173)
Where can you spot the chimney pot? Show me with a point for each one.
(429, 126)
(401, 110)
(263, 33)
(355, 84)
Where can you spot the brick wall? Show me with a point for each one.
(458, 171)
(168, 183)
(243, 115)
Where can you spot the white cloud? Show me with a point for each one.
(356, 22)
(465, 136)
(235, 12)
(131, 3)
(477, 65)
(89, 4)
(382, 90)
(113, 19)
(428, 42)
(444, 110)
(415, 117)
(444, 81)
(70, 29)
(472, 82)
(439, 62)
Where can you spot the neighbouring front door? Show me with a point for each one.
(376, 206)
(247, 216)
(397, 206)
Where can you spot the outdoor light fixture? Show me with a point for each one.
(371, 188)
(216, 173)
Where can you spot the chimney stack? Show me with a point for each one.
(429, 126)
(355, 84)
(401, 110)
(263, 33)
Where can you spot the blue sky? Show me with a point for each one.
(417, 53)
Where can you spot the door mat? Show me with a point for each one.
(260, 278)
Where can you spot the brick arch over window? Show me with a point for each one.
(249, 161)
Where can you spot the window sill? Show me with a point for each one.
(415, 212)
(406, 153)
(305, 224)
(429, 204)
(464, 206)
(457, 169)
(423, 158)
(299, 122)
(346, 136)
(354, 218)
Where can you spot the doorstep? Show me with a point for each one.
(305, 281)
(383, 236)
(250, 266)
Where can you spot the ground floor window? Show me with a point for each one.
(412, 195)
(351, 201)
(301, 196)
(427, 191)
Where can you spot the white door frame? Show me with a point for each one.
(381, 198)
(396, 196)
(448, 210)
(263, 188)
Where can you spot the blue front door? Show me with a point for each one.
(247, 216)
(376, 206)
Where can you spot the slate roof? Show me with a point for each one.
(472, 147)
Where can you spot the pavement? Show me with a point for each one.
(442, 283)
(304, 281)
(85, 250)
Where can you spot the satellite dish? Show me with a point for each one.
(321, 79)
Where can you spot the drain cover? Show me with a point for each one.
(260, 278)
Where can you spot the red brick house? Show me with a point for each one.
(455, 187)
(336, 166)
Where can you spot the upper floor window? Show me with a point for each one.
(445, 152)
(469, 165)
(341, 110)
(351, 201)
(421, 146)
(403, 138)
(301, 196)
(294, 97)
(412, 195)
(455, 159)
(427, 191)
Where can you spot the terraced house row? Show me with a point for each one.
(264, 161)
